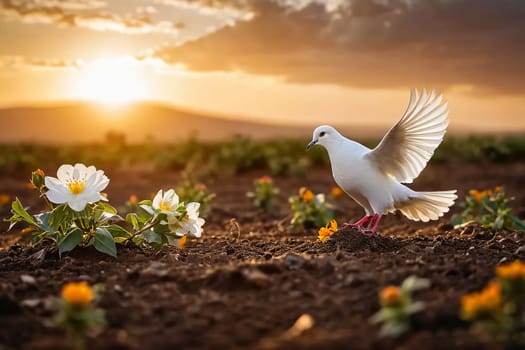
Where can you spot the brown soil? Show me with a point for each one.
(245, 283)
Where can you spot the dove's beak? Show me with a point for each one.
(311, 144)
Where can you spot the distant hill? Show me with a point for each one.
(79, 122)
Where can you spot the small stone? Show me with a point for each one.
(255, 276)
(520, 251)
(155, 269)
(293, 261)
(31, 303)
(28, 279)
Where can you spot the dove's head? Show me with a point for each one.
(324, 135)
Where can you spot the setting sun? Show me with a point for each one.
(111, 81)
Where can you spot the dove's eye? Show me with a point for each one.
(322, 134)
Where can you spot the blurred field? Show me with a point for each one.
(237, 155)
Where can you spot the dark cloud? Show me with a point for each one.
(372, 44)
(80, 13)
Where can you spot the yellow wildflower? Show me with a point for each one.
(480, 304)
(306, 195)
(77, 294)
(336, 192)
(327, 231)
(511, 272)
(391, 296)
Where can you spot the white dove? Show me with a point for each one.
(374, 177)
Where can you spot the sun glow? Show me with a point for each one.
(112, 81)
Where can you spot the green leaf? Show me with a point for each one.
(117, 231)
(104, 217)
(133, 220)
(70, 241)
(43, 222)
(61, 216)
(517, 222)
(149, 210)
(107, 208)
(19, 210)
(104, 242)
(152, 237)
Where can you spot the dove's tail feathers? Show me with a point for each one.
(428, 205)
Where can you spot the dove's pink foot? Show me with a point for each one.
(359, 224)
(372, 226)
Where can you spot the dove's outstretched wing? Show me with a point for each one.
(406, 148)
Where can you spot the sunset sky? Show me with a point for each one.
(305, 61)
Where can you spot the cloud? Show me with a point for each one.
(368, 43)
(81, 14)
(39, 63)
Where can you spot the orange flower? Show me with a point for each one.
(4, 199)
(511, 272)
(40, 172)
(306, 195)
(133, 199)
(200, 187)
(391, 296)
(27, 230)
(336, 192)
(265, 179)
(77, 294)
(182, 242)
(327, 231)
(478, 195)
(482, 304)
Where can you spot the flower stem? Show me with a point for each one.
(145, 228)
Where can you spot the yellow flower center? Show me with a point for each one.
(77, 294)
(165, 206)
(76, 186)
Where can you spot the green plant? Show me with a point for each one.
(489, 208)
(397, 306)
(499, 309)
(78, 215)
(191, 191)
(75, 311)
(310, 210)
(265, 192)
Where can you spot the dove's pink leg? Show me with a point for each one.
(359, 223)
(374, 223)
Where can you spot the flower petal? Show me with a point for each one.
(77, 204)
(157, 200)
(65, 172)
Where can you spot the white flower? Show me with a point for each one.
(191, 224)
(167, 202)
(76, 185)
